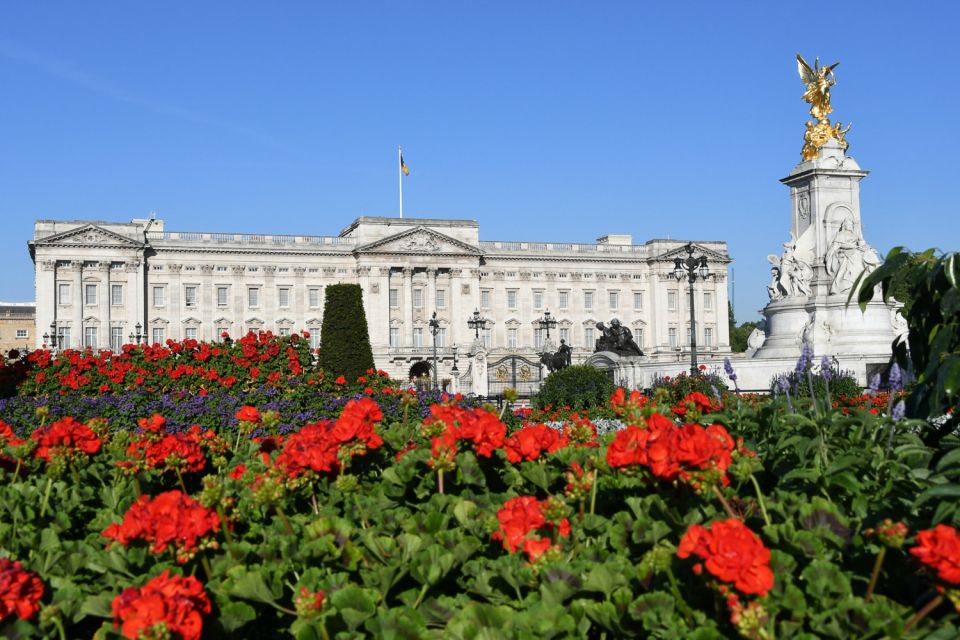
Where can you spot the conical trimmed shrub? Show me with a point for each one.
(344, 339)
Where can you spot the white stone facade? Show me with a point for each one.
(97, 280)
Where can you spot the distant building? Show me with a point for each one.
(98, 280)
(17, 326)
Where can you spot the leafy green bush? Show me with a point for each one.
(680, 386)
(577, 387)
(345, 343)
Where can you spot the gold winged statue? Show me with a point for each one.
(818, 81)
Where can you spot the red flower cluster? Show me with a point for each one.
(317, 447)
(8, 439)
(732, 553)
(65, 437)
(172, 519)
(889, 533)
(530, 441)
(689, 452)
(20, 590)
(167, 606)
(482, 428)
(939, 549)
(248, 414)
(525, 515)
(181, 451)
(697, 402)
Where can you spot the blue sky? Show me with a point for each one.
(557, 121)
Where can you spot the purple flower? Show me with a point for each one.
(874, 385)
(899, 410)
(783, 384)
(895, 378)
(806, 358)
(825, 369)
(729, 369)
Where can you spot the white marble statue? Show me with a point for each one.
(790, 275)
(847, 257)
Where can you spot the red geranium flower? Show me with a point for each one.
(530, 441)
(248, 414)
(65, 437)
(172, 604)
(341, 380)
(172, 519)
(20, 590)
(356, 422)
(939, 549)
(525, 515)
(155, 424)
(731, 553)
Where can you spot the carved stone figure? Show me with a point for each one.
(617, 338)
(847, 257)
(790, 275)
(559, 360)
(606, 341)
(775, 290)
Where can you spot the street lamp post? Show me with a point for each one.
(691, 268)
(476, 322)
(455, 369)
(547, 322)
(434, 330)
(135, 338)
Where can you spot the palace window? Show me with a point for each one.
(588, 299)
(708, 336)
(283, 297)
(116, 294)
(158, 335)
(707, 301)
(511, 299)
(190, 333)
(90, 337)
(63, 293)
(488, 338)
(441, 298)
(538, 299)
(394, 337)
(484, 298)
(190, 296)
(537, 338)
(418, 337)
(253, 297)
(588, 339)
(90, 294)
(394, 298)
(565, 334)
(671, 301)
(116, 339)
(512, 338)
(614, 299)
(563, 300)
(21, 334)
(442, 337)
(672, 336)
(418, 298)
(315, 338)
(222, 296)
(64, 333)
(314, 298)
(638, 336)
(637, 300)
(284, 331)
(158, 296)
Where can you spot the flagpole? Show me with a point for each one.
(400, 175)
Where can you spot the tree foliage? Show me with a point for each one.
(739, 334)
(577, 387)
(345, 342)
(933, 343)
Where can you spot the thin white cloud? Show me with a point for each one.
(65, 70)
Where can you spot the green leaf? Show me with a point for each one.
(236, 614)
(250, 585)
(940, 491)
(354, 604)
(950, 459)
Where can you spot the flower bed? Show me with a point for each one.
(695, 519)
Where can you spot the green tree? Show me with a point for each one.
(739, 334)
(345, 342)
(932, 312)
(577, 387)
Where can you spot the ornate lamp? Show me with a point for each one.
(691, 268)
(476, 322)
(434, 330)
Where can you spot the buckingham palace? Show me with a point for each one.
(102, 284)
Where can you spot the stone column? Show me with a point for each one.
(299, 299)
(174, 303)
(207, 302)
(76, 326)
(239, 289)
(103, 305)
(430, 303)
(379, 291)
(269, 302)
(408, 306)
(134, 299)
(46, 289)
(457, 318)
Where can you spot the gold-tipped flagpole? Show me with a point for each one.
(400, 175)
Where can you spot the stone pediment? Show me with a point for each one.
(89, 235)
(698, 250)
(420, 241)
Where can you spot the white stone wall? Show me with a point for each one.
(268, 281)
